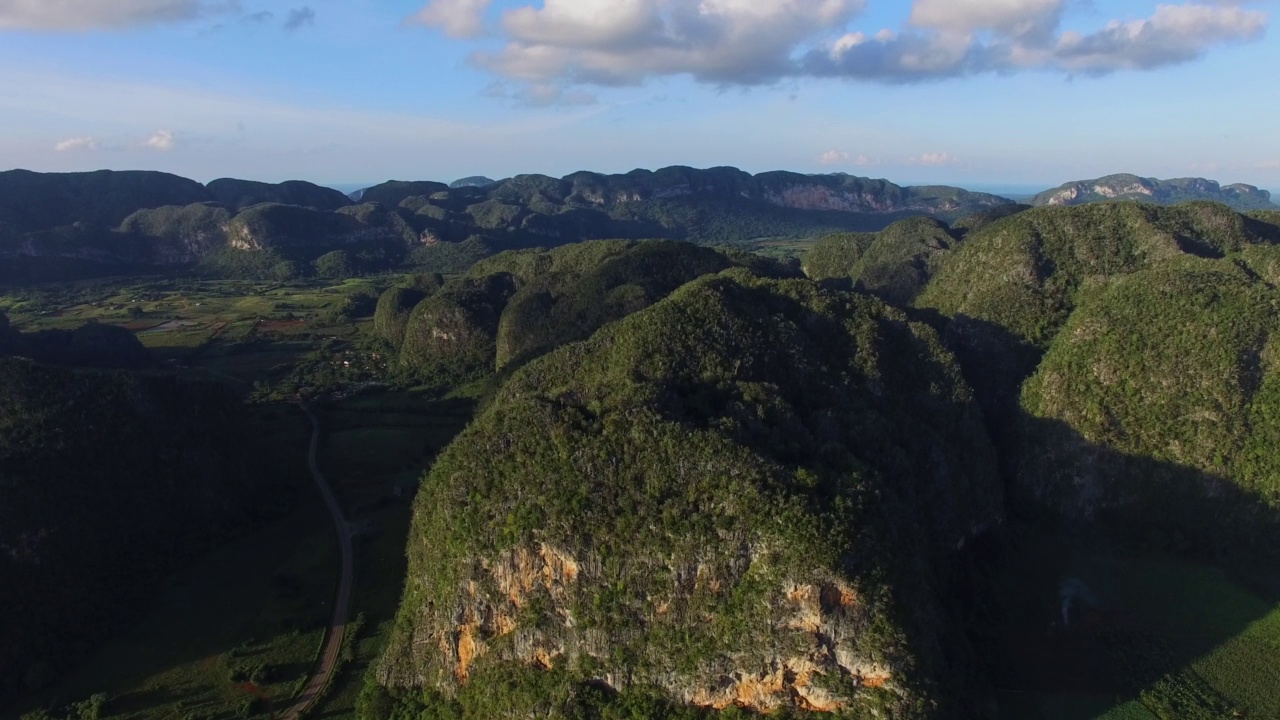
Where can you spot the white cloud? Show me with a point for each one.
(457, 18)
(162, 140)
(754, 42)
(77, 143)
(1175, 33)
(840, 157)
(627, 41)
(934, 159)
(72, 15)
(1008, 17)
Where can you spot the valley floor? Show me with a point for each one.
(1146, 636)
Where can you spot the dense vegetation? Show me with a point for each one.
(895, 264)
(240, 194)
(710, 489)
(697, 481)
(520, 304)
(31, 201)
(1161, 399)
(107, 482)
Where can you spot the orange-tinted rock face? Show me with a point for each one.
(816, 626)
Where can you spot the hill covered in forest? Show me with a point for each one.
(735, 497)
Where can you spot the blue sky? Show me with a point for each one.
(970, 92)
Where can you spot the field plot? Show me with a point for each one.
(238, 331)
(782, 249)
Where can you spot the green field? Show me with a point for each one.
(240, 328)
(1162, 638)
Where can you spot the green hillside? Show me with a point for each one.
(1172, 372)
(520, 304)
(240, 194)
(730, 498)
(895, 264)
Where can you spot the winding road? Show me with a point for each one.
(336, 633)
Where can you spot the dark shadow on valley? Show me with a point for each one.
(1035, 625)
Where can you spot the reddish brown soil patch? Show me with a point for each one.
(252, 689)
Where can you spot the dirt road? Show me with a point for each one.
(342, 608)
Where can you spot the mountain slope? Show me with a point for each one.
(31, 201)
(895, 264)
(520, 304)
(1159, 402)
(725, 499)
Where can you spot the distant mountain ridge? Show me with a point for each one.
(838, 192)
(63, 226)
(73, 225)
(1161, 192)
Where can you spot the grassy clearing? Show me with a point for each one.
(242, 332)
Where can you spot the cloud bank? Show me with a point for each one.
(756, 42)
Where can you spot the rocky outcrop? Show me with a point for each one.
(814, 646)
